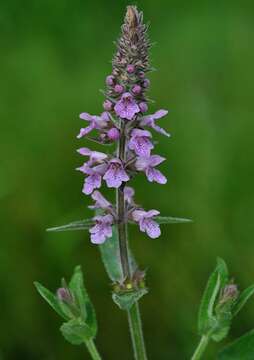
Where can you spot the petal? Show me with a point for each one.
(159, 114)
(155, 160)
(155, 175)
(142, 163)
(152, 229)
(152, 213)
(84, 151)
(86, 116)
(100, 200)
(137, 215)
(84, 131)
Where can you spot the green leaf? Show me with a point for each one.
(243, 298)
(50, 298)
(241, 349)
(73, 226)
(126, 299)
(78, 289)
(76, 331)
(171, 220)
(205, 317)
(110, 254)
(223, 271)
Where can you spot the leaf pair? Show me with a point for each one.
(87, 223)
(79, 314)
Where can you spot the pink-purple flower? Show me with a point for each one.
(102, 229)
(146, 222)
(149, 120)
(147, 164)
(126, 107)
(94, 156)
(128, 194)
(96, 122)
(100, 201)
(115, 174)
(93, 180)
(140, 142)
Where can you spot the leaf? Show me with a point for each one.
(76, 331)
(73, 226)
(78, 289)
(50, 298)
(171, 220)
(223, 271)
(110, 254)
(205, 316)
(240, 349)
(243, 298)
(126, 299)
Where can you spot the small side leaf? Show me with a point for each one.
(240, 349)
(50, 298)
(223, 271)
(110, 254)
(171, 220)
(85, 305)
(205, 316)
(74, 226)
(76, 331)
(243, 298)
(127, 299)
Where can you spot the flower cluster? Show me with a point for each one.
(125, 123)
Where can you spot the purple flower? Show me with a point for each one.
(143, 107)
(126, 107)
(96, 122)
(140, 142)
(149, 120)
(136, 89)
(115, 174)
(113, 134)
(107, 105)
(102, 229)
(94, 156)
(110, 80)
(146, 222)
(147, 164)
(128, 194)
(130, 68)
(93, 180)
(100, 201)
(119, 89)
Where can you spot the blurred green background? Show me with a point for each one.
(54, 59)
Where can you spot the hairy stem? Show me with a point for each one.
(92, 350)
(134, 318)
(201, 348)
(136, 332)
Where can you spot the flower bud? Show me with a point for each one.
(146, 83)
(113, 134)
(107, 105)
(130, 69)
(141, 74)
(136, 89)
(110, 80)
(119, 89)
(64, 295)
(229, 294)
(143, 107)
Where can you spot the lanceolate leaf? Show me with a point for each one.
(110, 254)
(171, 220)
(77, 287)
(50, 298)
(205, 317)
(223, 271)
(241, 349)
(73, 226)
(243, 298)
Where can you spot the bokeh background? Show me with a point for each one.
(54, 59)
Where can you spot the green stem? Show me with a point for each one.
(92, 350)
(136, 333)
(201, 347)
(133, 314)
